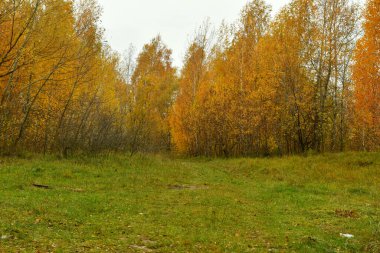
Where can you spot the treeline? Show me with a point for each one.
(300, 81)
(59, 85)
(285, 85)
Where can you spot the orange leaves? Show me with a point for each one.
(366, 74)
(59, 89)
(270, 87)
(278, 86)
(219, 113)
(152, 87)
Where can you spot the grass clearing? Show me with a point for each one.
(160, 204)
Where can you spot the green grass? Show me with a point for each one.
(159, 204)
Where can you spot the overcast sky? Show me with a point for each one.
(138, 21)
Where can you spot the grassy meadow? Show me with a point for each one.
(156, 203)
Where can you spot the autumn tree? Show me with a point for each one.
(274, 87)
(151, 95)
(366, 74)
(184, 123)
(59, 85)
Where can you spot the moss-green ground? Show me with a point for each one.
(162, 204)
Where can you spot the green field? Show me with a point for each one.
(152, 203)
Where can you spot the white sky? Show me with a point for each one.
(138, 21)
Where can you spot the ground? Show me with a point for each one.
(157, 203)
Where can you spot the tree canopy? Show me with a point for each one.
(305, 79)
